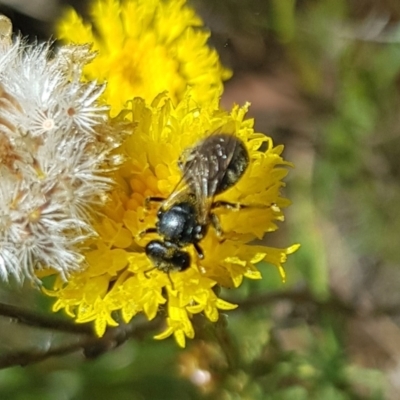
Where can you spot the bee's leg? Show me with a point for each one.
(230, 206)
(168, 274)
(214, 218)
(217, 226)
(199, 251)
(239, 206)
(152, 199)
(149, 270)
(146, 231)
(170, 280)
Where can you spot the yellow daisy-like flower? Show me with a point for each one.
(146, 47)
(120, 280)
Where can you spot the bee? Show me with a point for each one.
(208, 168)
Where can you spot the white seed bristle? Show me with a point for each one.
(53, 155)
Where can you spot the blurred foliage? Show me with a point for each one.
(331, 332)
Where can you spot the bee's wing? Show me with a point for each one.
(179, 193)
(205, 166)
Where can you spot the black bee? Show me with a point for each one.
(209, 168)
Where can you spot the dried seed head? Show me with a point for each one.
(55, 140)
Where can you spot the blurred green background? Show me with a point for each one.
(323, 79)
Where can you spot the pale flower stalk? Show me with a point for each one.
(55, 142)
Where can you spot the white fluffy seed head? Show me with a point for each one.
(55, 140)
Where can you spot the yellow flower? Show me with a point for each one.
(120, 280)
(146, 47)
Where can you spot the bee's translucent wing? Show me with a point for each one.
(212, 166)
